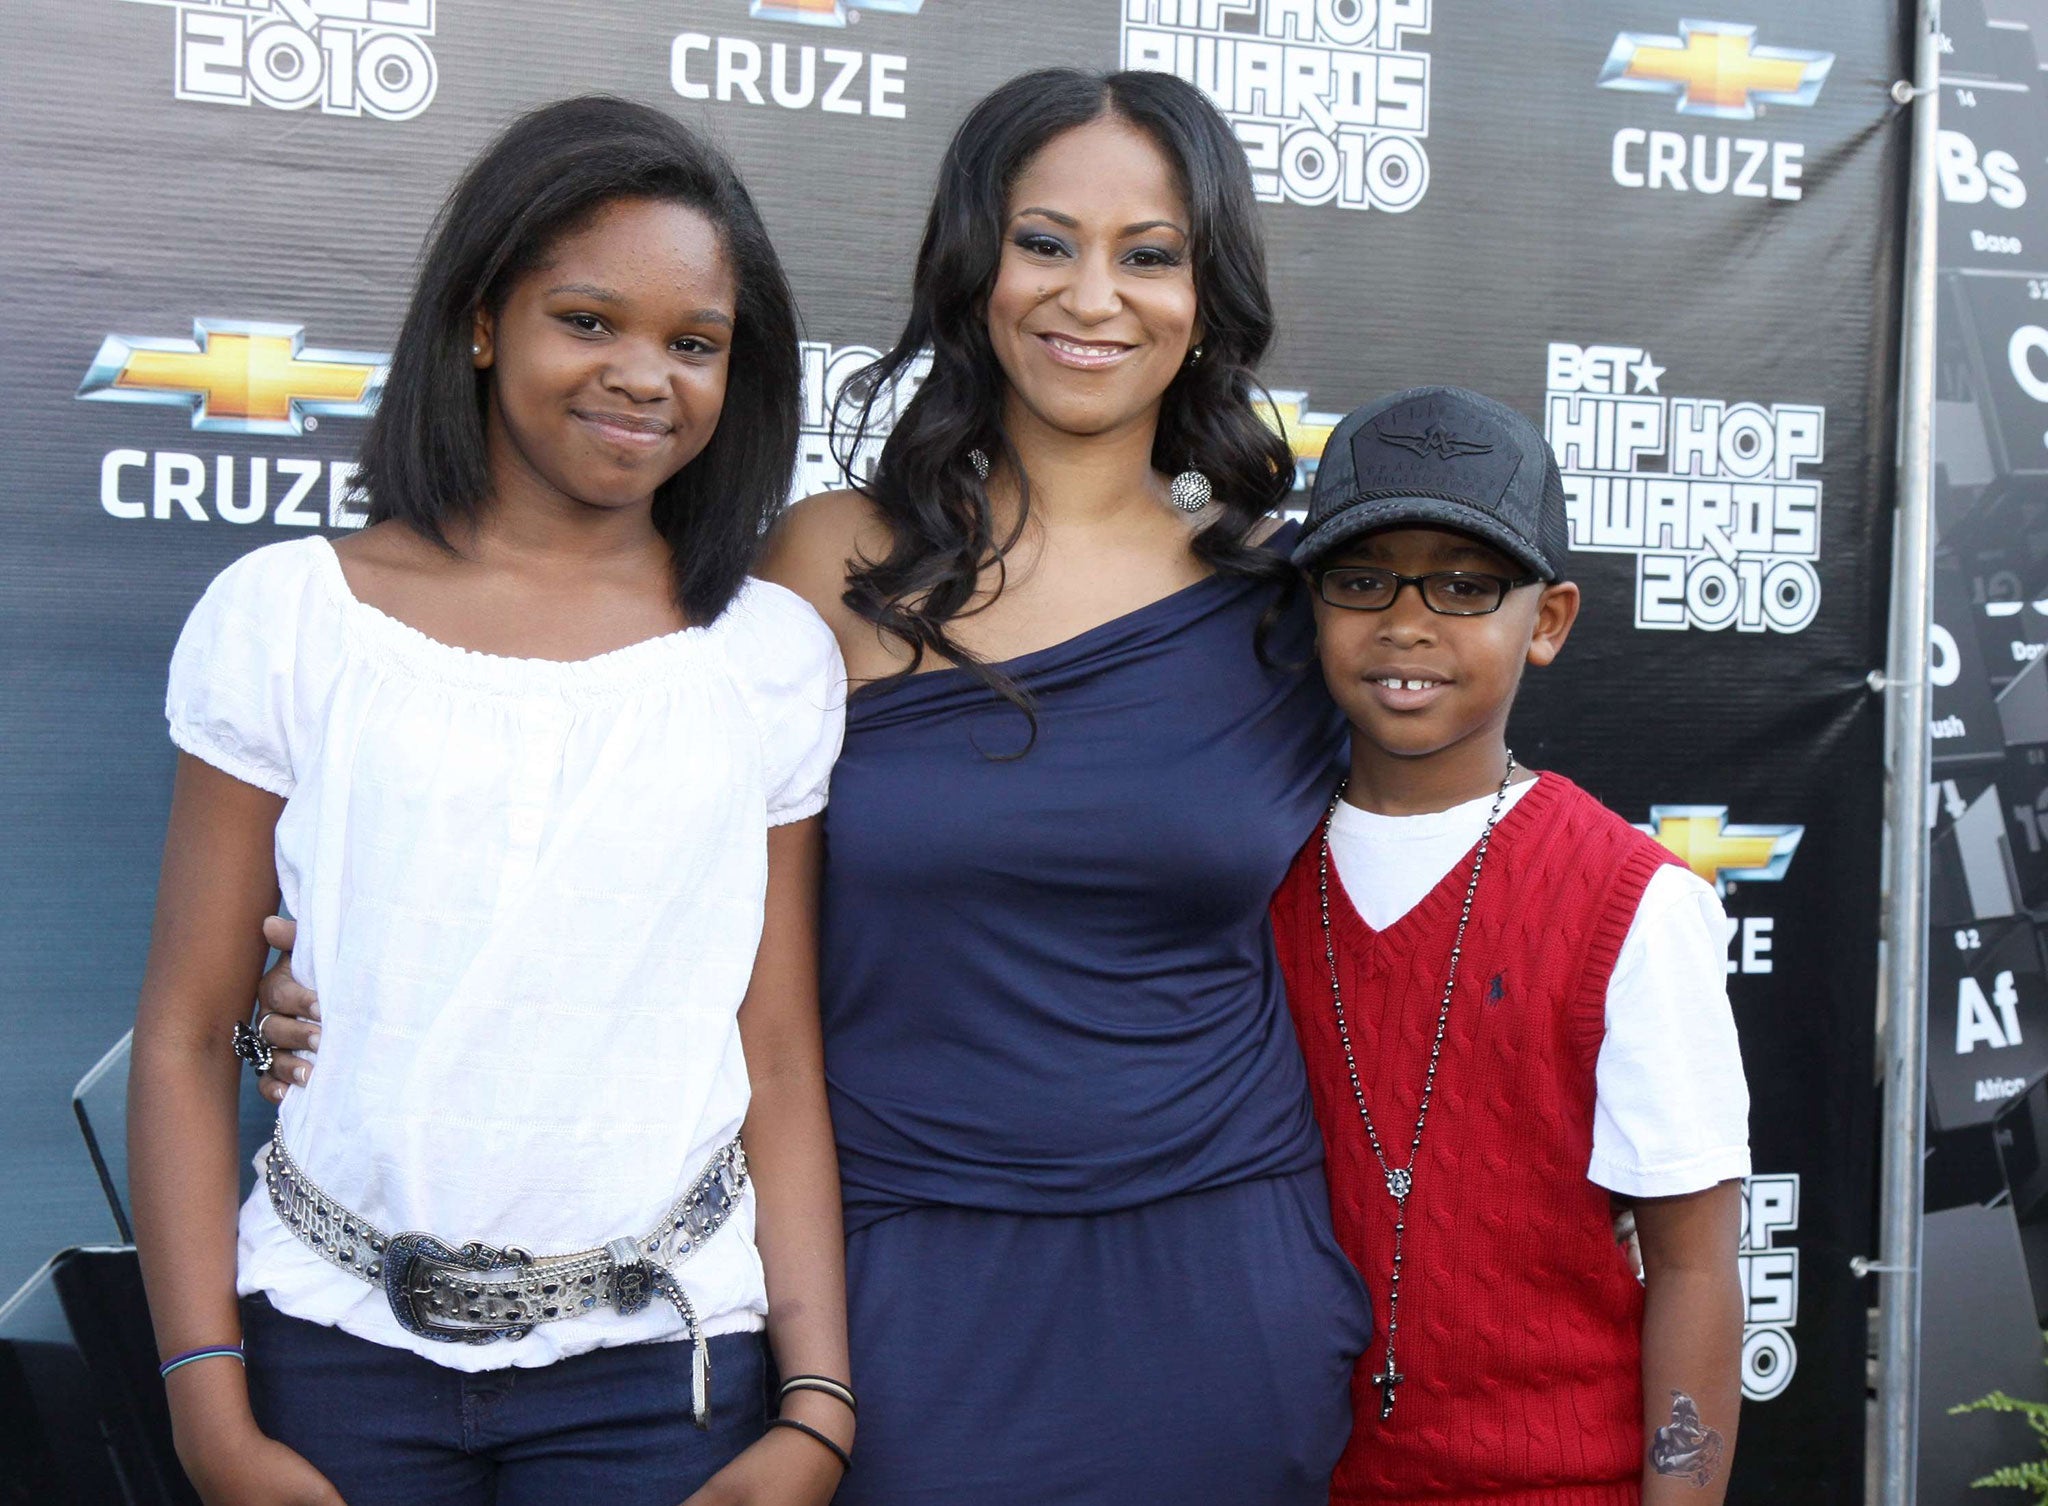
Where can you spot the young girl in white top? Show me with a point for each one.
(536, 765)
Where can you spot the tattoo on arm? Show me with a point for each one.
(1686, 1449)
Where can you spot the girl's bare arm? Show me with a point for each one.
(219, 880)
(796, 1186)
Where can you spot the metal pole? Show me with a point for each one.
(1908, 765)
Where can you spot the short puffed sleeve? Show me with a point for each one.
(233, 683)
(789, 669)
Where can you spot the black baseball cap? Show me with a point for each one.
(1441, 455)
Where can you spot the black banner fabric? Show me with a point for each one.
(1668, 235)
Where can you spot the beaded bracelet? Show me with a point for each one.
(193, 1356)
(845, 1459)
(824, 1385)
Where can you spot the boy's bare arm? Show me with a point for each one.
(1692, 1344)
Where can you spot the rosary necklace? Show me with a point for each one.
(1400, 1179)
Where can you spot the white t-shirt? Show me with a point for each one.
(529, 895)
(1671, 1107)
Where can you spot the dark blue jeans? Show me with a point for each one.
(387, 1426)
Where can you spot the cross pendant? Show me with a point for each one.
(1387, 1380)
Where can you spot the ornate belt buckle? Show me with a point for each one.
(431, 1295)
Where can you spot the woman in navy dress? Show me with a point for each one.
(1089, 1257)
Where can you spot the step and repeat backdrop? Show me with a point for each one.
(1669, 235)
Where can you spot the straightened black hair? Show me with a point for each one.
(550, 172)
(943, 533)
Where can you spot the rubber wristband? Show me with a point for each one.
(194, 1356)
(824, 1385)
(845, 1459)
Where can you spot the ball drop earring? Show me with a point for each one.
(1190, 491)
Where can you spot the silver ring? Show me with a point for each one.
(252, 1048)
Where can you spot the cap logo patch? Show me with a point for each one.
(1435, 440)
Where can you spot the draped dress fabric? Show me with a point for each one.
(1089, 1249)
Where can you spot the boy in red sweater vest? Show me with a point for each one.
(1513, 1007)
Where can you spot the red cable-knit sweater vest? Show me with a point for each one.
(1520, 1317)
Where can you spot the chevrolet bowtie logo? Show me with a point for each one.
(1701, 838)
(1287, 414)
(1715, 69)
(827, 12)
(1436, 440)
(237, 377)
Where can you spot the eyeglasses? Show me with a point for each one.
(1448, 593)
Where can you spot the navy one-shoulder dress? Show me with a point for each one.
(1089, 1251)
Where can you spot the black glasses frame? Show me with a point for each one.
(1421, 585)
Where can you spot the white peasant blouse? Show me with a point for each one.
(529, 895)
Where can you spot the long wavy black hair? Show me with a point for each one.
(423, 455)
(943, 533)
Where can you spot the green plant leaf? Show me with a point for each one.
(2032, 1475)
(1998, 1401)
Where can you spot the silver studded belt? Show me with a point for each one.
(476, 1293)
